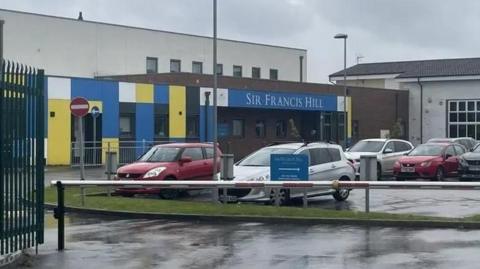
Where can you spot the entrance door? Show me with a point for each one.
(92, 134)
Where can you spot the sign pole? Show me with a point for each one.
(82, 159)
(94, 140)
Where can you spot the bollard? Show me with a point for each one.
(367, 200)
(305, 200)
(59, 214)
(277, 196)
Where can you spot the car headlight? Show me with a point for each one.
(397, 163)
(425, 164)
(463, 162)
(154, 172)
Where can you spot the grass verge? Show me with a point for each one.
(148, 205)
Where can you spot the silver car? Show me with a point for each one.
(388, 151)
(326, 162)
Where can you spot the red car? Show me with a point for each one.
(432, 160)
(175, 161)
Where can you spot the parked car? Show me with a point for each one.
(468, 142)
(431, 160)
(326, 162)
(470, 165)
(174, 161)
(388, 151)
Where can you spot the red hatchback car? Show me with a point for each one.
(432, 160)
(175, 161)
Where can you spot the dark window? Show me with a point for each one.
(194, 153)
(471, 131)
(462, 130)
(401, 146)
(255, 72)
(460, 150)
(161, 126)
(281, 128)
(453, 117)
(274, 74)
(471, 106)
(127, 125)
(175, 66)
(319, 156)
(453, 106)
(220, 69)
(237, 71)
(209, 152)
(152, 65)
(461, 106)
(192, 126)
(390, 146)
(197, 67)
(238, 128)
(335, 154)
(462, 117)
(471, 116)
(450, 151)
(260, 128)
(453, 130)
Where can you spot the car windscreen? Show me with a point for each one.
(262, 157)
(477, 149)
(367, 146)
(160, 154)
(427, 150)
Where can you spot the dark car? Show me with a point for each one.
(470, 165)
(175, 161)
(432, 160)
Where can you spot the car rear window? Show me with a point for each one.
(320, 156)
(335, 154)
(194, 153)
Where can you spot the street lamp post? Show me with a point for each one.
(344, 37)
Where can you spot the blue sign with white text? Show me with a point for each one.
(281, 100)
(288, 167)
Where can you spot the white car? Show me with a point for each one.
(326, 162)
(388, 151)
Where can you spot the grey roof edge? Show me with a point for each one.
(153, 30)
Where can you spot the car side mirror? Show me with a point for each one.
(186, 159)
(447, 156)
(388, 150)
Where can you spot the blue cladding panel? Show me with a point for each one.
(161, 94)
(209, 123)
(144, 123)
(105, 91)
(281, 100)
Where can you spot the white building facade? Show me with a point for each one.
(71, 47)
(444, 95)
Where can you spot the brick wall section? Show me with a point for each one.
(374, 109)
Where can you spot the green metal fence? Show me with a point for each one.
(22, 157)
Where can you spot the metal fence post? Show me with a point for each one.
(108, 163)
(305, 200)
(277, 196)
(59, 214)
(367, 199)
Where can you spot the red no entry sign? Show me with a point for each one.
(79, 106)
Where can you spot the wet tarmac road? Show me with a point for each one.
(94, 243)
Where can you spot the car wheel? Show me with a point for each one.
(169, 194)
(440, 174)
(129, 195)
(342, 194)
(283, 196)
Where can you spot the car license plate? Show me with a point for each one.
(474, 168)
(407, 169)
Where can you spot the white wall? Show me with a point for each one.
(435, 97)
(68, 47)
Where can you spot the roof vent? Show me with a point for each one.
(80, 16)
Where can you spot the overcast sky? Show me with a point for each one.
(378, 30)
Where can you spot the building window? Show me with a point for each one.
(161, 126)
(274, 74)
(175, 66)
(255, 72)
(237, 71)
(152, 65)
(463, 118)
(192, 126)
(220, 69)
(197, 67)
(126, 125)
(260, 128)
(281, 128)
(238, 128)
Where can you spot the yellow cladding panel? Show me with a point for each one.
(98, 104)
(349, 116)
(59, 136)
(109, 143)
(177, 111)
(144, 93)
